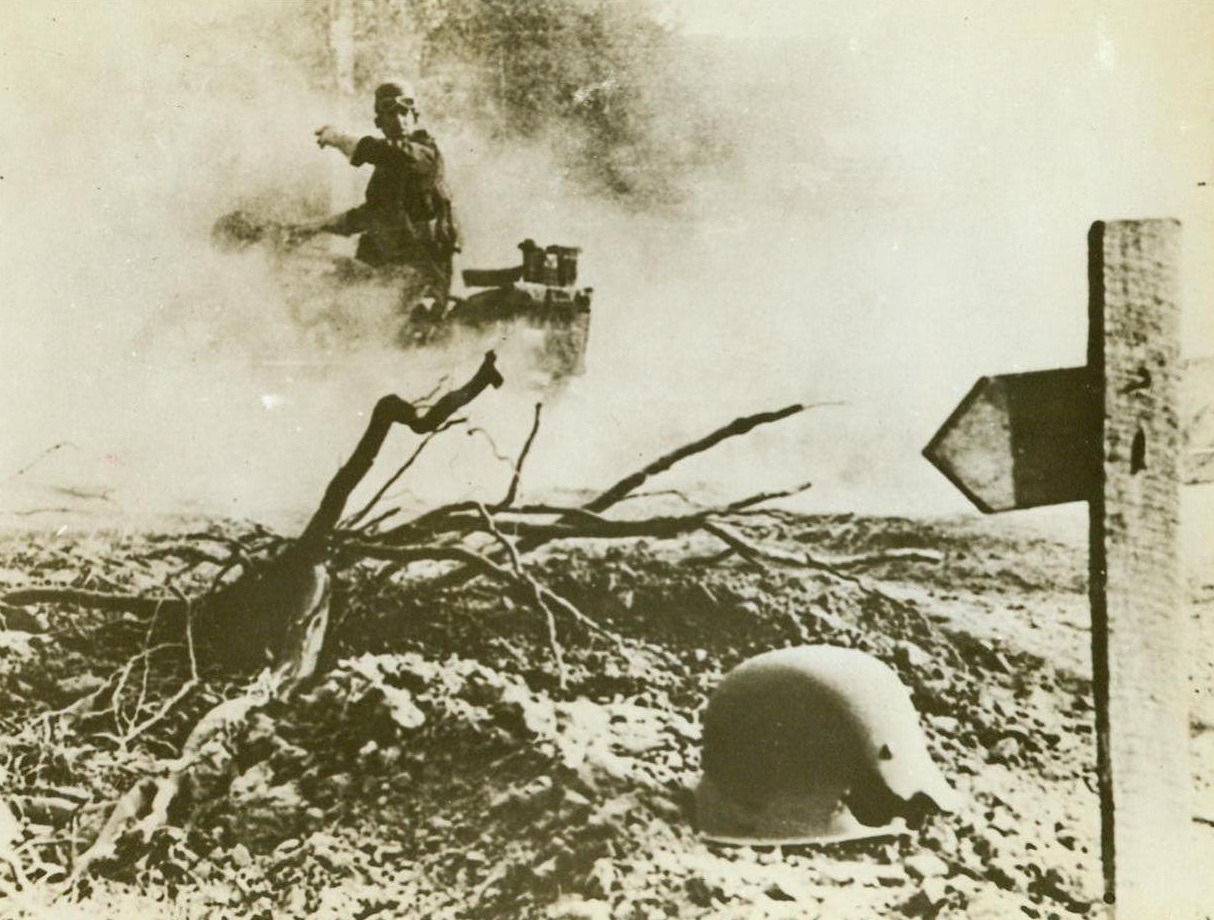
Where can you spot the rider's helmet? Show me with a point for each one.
(814, 743)
(395, 95)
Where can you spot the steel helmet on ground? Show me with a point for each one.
(814, 743)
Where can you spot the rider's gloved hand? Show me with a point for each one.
(324, 136)
(328, 136)
(294, 234)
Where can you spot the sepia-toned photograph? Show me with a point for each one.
(606, 459)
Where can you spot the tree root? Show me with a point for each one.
(274, 618)
(145, 807)
(283, 607)
(96, 600)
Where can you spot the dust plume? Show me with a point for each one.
(904, 211)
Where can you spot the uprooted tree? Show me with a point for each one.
(268, 613)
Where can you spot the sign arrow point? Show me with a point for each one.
(1023, 440)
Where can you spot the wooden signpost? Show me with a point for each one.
(1110, 434)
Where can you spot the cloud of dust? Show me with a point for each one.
(909, 213)
(175, 370)
(895, 226)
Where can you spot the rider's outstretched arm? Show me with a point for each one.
(416, 155)
(331, 137)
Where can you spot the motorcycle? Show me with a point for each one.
(343, 301)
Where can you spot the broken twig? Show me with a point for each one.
(390, 410)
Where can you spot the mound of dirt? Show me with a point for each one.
(459, 757)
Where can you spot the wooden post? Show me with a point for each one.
(1139, 659)
(1111, 433)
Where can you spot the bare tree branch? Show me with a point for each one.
(439, 520)
(369, 528)
(483, 433)
(577, 524)
(512, 492)
(736, 428)
(534, 589)
(134, 731)
(482, 566)
(283, 600)
(889, 555)
(94, 600)
(390, 410)
(745, 503)
(38, 459)
(192, 556)
(354, 519)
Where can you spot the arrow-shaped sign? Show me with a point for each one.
(1124, 433)
(1025, 440)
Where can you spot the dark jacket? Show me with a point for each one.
(407, 218)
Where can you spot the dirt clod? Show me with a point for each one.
(438, 768)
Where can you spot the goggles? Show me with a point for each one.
(389, 104)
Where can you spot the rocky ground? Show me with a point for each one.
(452, 761)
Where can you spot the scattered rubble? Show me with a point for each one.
(440, 768)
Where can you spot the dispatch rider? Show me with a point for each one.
(406, 219)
